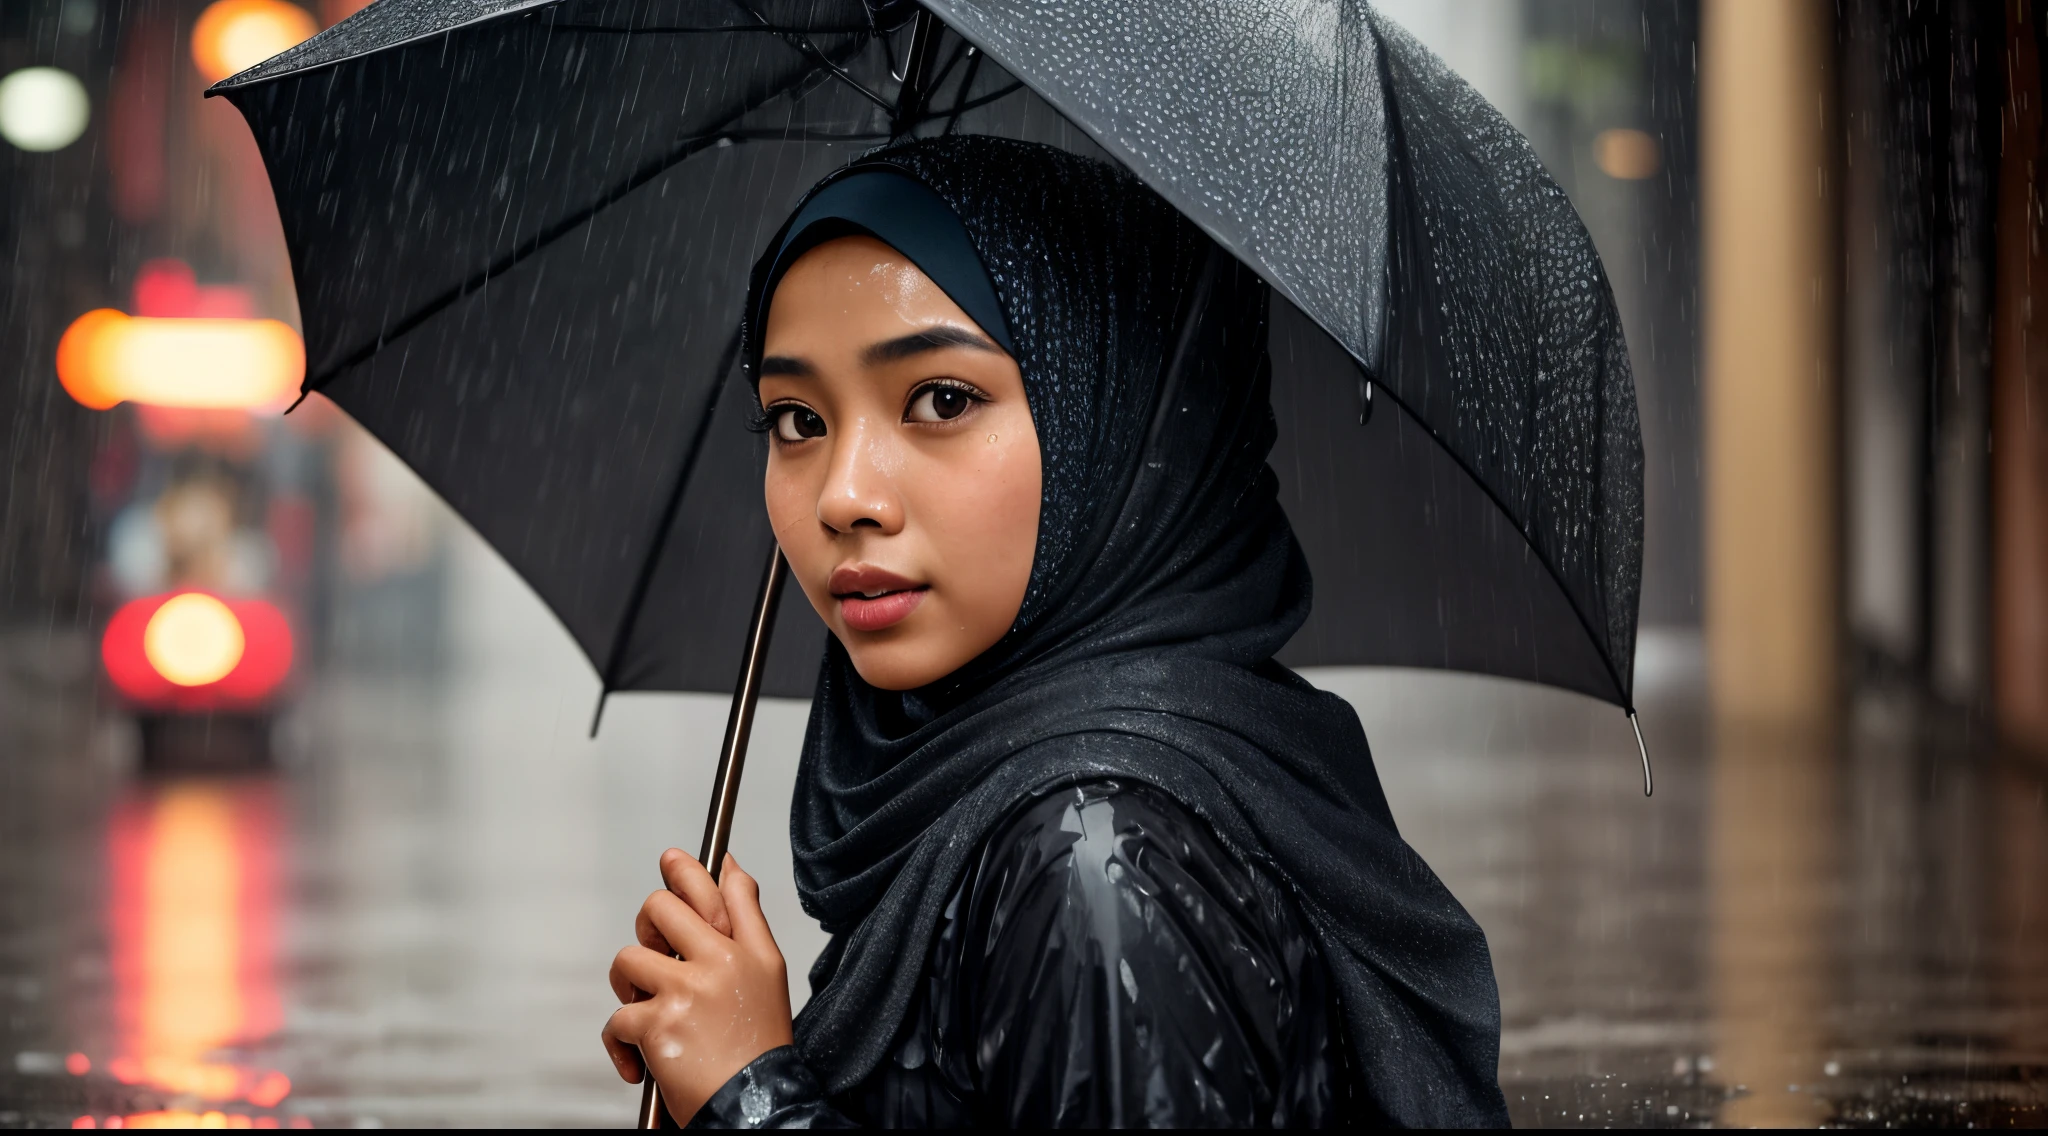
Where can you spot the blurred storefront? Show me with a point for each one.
(149, 366)
(180, 561)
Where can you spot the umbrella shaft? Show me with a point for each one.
(732, 758)
(739, 725)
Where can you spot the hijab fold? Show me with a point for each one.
(1166, 578)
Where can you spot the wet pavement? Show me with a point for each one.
(407, 920)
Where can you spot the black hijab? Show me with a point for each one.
(1166, 578)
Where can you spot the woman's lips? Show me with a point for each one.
(885, 610)
(872, 598)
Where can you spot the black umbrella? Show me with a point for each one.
(521, 232)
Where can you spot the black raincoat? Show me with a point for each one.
(1123, 868)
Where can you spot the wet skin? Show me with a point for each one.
(903, 463)
(903, 485)
(699, 1017)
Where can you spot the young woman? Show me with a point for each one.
(1088, 855)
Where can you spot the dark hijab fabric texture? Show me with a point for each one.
(1166, 579)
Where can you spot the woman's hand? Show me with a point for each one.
(701, 1017)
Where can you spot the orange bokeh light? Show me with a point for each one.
(185, 1118)
(1626, 155)
(235, 35)
(107, 357)
(192, 931)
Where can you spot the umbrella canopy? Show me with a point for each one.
(521, 232)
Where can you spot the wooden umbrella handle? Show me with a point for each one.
(732, 760)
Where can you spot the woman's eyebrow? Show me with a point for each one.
(784, 365)
(930, 339)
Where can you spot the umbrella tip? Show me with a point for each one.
(303, 392)
(598, 717)
(1648, 783)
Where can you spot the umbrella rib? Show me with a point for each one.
(802, 43)
(960, 49)
(799, 135)
(1556, 577)
(645, 580)
(1397, 143)
(972, 104)
(966, 85)
(674, 29)
(537, 242)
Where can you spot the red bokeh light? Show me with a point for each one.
(269, 1090)
(167, 288)
(265, 663)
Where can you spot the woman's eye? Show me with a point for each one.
(939, 404)
(796, 423)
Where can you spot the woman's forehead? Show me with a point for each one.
(855, 261)
(862, 280)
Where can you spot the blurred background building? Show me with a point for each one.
(372, 869)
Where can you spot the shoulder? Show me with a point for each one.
(1119, 876)
(1098, 839)
(1107, 930)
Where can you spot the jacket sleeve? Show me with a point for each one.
(775, 1090)
(1123, 969)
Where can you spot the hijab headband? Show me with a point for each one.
(908, 217)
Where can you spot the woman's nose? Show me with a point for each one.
(860, 490)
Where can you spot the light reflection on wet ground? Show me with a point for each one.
(1786, 935)
(408, 923)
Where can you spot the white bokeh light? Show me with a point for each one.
(43, 108)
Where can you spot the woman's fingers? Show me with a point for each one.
(677, 925)
(622, 1033)
(698, 1019)
(644, 930)
(743, 900)
(688, 879)
(623, 985)
(638, 973)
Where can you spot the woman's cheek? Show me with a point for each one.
(984, 527)
(793, 515)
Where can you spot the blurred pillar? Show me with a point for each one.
(1769, 346)
(1969, 84)
(2019, 424)
(1888, 190)
(1769, 281)
(1922, 85)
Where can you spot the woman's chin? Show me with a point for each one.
(916, 652)
(897, 666)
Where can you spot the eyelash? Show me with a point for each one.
(761, 419)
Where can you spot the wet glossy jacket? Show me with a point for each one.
(1106, 963)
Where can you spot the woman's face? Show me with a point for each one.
(903, 469)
